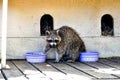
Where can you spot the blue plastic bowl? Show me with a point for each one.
(35, 57)
(88, 57)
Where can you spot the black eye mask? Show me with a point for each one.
(53, 41)
(56, 41)
(49, 40)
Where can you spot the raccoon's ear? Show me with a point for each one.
(47, 32)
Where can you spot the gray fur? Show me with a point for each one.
(69, 45)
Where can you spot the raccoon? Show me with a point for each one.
(67, 43)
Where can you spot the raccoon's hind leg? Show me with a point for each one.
(73, 51)
(73, 55)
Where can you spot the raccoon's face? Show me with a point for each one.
(53, 38)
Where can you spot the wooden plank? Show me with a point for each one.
(90, 70)
(117, 60)
(71, 72)
(102, 69)
(81, 66)
(106, 79)
(97, 65)
(13, 73)
(1, 76)
(30, 72)
(51, 72)
(116, 66)
(110, 63)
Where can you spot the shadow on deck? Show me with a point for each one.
(104, 69)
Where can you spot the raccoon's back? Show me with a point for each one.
(68, 33)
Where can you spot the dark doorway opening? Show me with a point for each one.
(107, 24)
(46, 23)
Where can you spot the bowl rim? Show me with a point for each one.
(35, 53)
(90, 52)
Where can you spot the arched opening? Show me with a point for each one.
(46, 23)
(107, 24)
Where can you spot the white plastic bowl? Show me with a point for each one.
(89, 57)
(35, 57)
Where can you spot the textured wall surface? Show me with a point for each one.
(82, 15)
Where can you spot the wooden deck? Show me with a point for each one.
(104, 69)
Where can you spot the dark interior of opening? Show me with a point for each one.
(46, 23)
(107, 25)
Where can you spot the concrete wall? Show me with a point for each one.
(82, 15)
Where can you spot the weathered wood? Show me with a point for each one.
(51, 72)
(102, 69)
(110, 63)
(13, 73)
(30, 72)
(1, 76)
(106, 79)
(71, 72)
(90, 70)
(116, 66)
(117, 60)
(96, 65)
